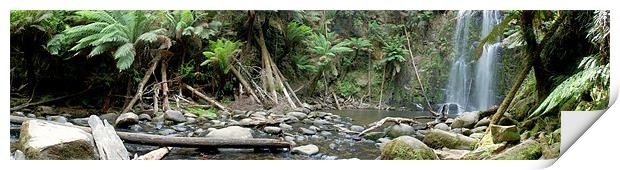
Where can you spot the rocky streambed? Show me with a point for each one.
(320, 135)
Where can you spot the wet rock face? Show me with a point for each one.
(231, 132)
(126, 119)
(43, 140)
(175, 116)
(407, 148)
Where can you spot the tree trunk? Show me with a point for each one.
(417, 75)
(267, 67)
(147, 75)
(280, 84)
(245, 84)
(164, 80)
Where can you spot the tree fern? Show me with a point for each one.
(297, 32)
(220, 53)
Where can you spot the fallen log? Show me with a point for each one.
(210, 100)
(193, 142)
(109, 145)
(397, 120)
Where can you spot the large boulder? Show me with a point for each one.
(400, 130)
(110, 117)
(466, 120)
(436, 138)
(504, 133)
(483, 122)
(407, 148)
(44, 140)
(306, 149)
(126, 119)
(528, 150)
(175, 116)
(442, 126)
(231, 132)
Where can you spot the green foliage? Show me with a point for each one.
(347, 88)
(210, 113)
(321, 46)
(297, 32)
(360, 43)
(394, 54)
(220, 53)
(118, 32)
(189, 24)
(302, 63)
(576, 88)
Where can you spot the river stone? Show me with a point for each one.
(59, 119)
(231, 132)
(110, 117)
(374, 135)
(357, 128)
(298, 115)
(306, 149)
(126, 119)
(326, 133)
(166, 132)
(289, 138)
(463, 131)
(272, 130)
(320, 122)
(528, 150)
(144, 116)
(44, 140)
(30, 115)
(400, 130)
(80, 121)
(314, 128)
(442, 126)
(484, 151)
(483, 122)
(477, 135)
(285, 127)
(19, 155)
(466, 120)
(479, 129)
(436, 138)
(407, 148)
(292, 119)
(504, 133)
(44, 110)
(307, 131)
(175, 116)
(179, 128)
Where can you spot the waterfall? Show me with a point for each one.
(466, 90)
(487, 63)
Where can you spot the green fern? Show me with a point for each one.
(297, 32)
(220, 53)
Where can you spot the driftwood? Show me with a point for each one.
(397, 120)
(155, 154)
(210, 100)
(109, 145)
(336, 99)
(145, 79)
(193, 142)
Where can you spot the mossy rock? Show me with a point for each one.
(401, 150)
(551, 152)
(528, 150)
(436, 138)
(484, 152)
(374, 135)
(504, 133)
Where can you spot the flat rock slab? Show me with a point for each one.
(306, 149)
(45, 140)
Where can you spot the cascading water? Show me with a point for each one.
(459, 90)
(486, 66)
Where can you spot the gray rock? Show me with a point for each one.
(289, 138)
(19, 155)
(400, 130)
(110, 117)
(442, 126)
(479, 129)
(326, 133)
(191, 120)
(18, 114)
(374, 135)
(357, 128)
(44, 140)
(272, 130)
(477, 135)
(231, 132)
(451, 154)
(175, 116)
(466, 120)
(126, 119)
(527, 150)
(285, 127)
(436, 138)
(292, 119)
(307, 131)
(80, 121)
(306, 149)
(179, 128)
(320, 122)
(166, 132)
(145, 117)
(300, 138)
(483, 122)
(30, 115)
(190, 115)
(463, 131)
(298, 115)
(314, 128)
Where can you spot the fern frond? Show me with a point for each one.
(97, 16)
(124, 56)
